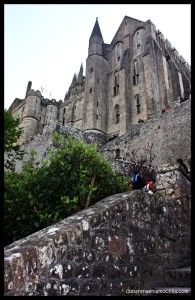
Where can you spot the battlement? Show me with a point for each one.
(167, 48)
(32, 92)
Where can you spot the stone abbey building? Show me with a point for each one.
(128, 81)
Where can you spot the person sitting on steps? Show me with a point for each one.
(149, 187)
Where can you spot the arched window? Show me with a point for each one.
(116, 83)
(116, 114)
(138, 105)
(138, 41)
(135, 73)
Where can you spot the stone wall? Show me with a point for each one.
(170, 134)
(123, 242)
(42, 143)
(172, 182)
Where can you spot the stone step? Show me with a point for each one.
(180, 277)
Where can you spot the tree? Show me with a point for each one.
(75, 177)
(12, 133)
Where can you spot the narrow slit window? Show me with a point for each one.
(138, 39)
(138, 105)
(116, 114)
(116, 83)
(135, 73)
(117, 153)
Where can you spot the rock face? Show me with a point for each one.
(124, 242)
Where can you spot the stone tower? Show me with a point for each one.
(30, 114)
(95, 108)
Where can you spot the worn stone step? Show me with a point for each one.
(180, 277)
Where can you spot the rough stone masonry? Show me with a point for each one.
(123, 242)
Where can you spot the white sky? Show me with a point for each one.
(46, 44)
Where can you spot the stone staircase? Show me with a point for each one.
(177, 282)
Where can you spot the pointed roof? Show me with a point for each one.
(74, 80)
(96, 32)
(81, 70)
(80, 75)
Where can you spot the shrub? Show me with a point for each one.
(74, 177)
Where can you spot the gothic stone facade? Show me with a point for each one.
(127, 81)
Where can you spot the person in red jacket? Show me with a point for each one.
(148, 188)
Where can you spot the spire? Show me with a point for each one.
(28, 88)
(80, 75)
(74, 80)
(96, 34)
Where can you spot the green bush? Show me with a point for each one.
(75, 177)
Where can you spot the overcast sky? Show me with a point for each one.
(47, 43)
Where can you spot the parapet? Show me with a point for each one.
(34, 93)
(95, 251)
(15, 104)
(167, 47)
